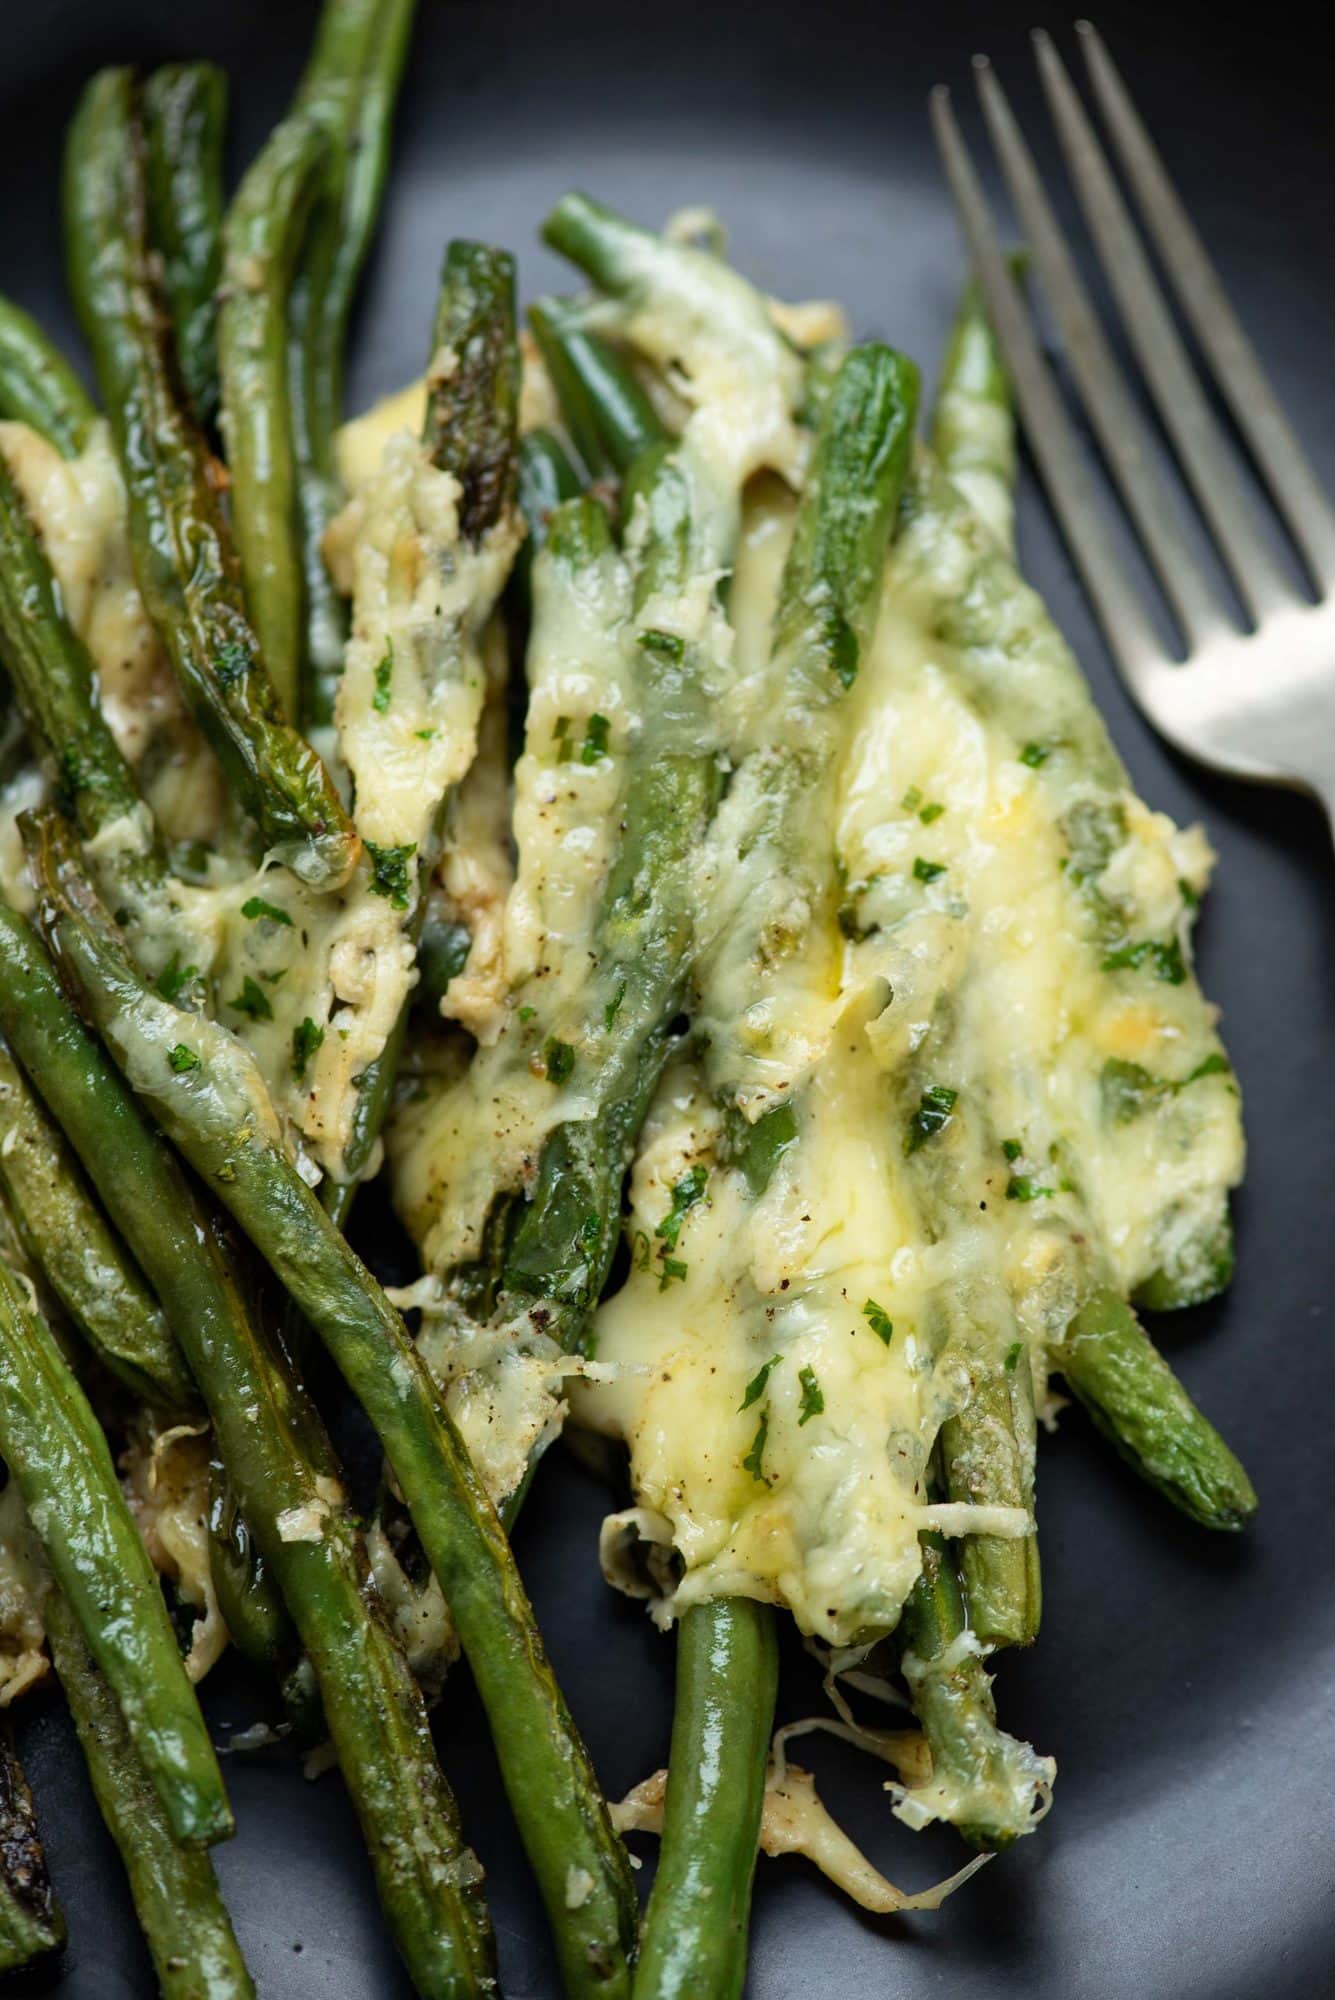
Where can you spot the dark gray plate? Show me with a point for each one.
(1184, 1685)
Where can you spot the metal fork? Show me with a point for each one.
(1258, 704)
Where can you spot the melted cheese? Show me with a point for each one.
(165, 1475)
(969, 950)
(795, 1820)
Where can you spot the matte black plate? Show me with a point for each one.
(1183, 1684)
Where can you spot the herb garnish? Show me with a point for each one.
(879, 1321)
(813, 1402)
(255, 906)
(932, 1116)
(252, 1000)
(389, 871)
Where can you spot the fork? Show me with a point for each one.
(1255, 703)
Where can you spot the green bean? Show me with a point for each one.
(263, 236)
(472, 411)
(677, 304)
(250, 1602)
(66, 1234)
(987, 1450)
(828, 595)
(1136, 1400)
(185, 115)
(562, 1240)
(695, 1928)
(349, 90)
(609, 415)
(286, 1478)
(827, 604)
(984, 1782)
(987, 1458)
(545, 478)
(57, 1452)
(37, 385)
(184, 561)
(973, 422)
(210, 1100)
(31, 1923)
(176, 1896)
(470, 430)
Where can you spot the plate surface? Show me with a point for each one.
(1183, 1684)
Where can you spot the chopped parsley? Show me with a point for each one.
(911, 800)
(174, 976)
(662, 645)
(558, 1059)
(755, 1388)
(613, 1007)
(927, 871)
(1013, 1353)
(182, 1059)
(307, 1037)
(1011, 1148)
(688, 1190)
(252, 1000)
(932, 1116)
(1021, 1187)
(425, 735)
(755, 1458)
(879, 1320)
(597, 735)
(389, 871)
(384, 678)
(932, 810)
(761, 1146)
(527, 1013)
(813, 1402)
(670, 1268)
(1035, 754)
(1188, 894)
(1165, 959)
(1127, 1089)
(255, 906)
(561, 735)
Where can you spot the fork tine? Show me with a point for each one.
(1297, 491)
(1118, 424)
(1052, 439)
(1186, 415)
